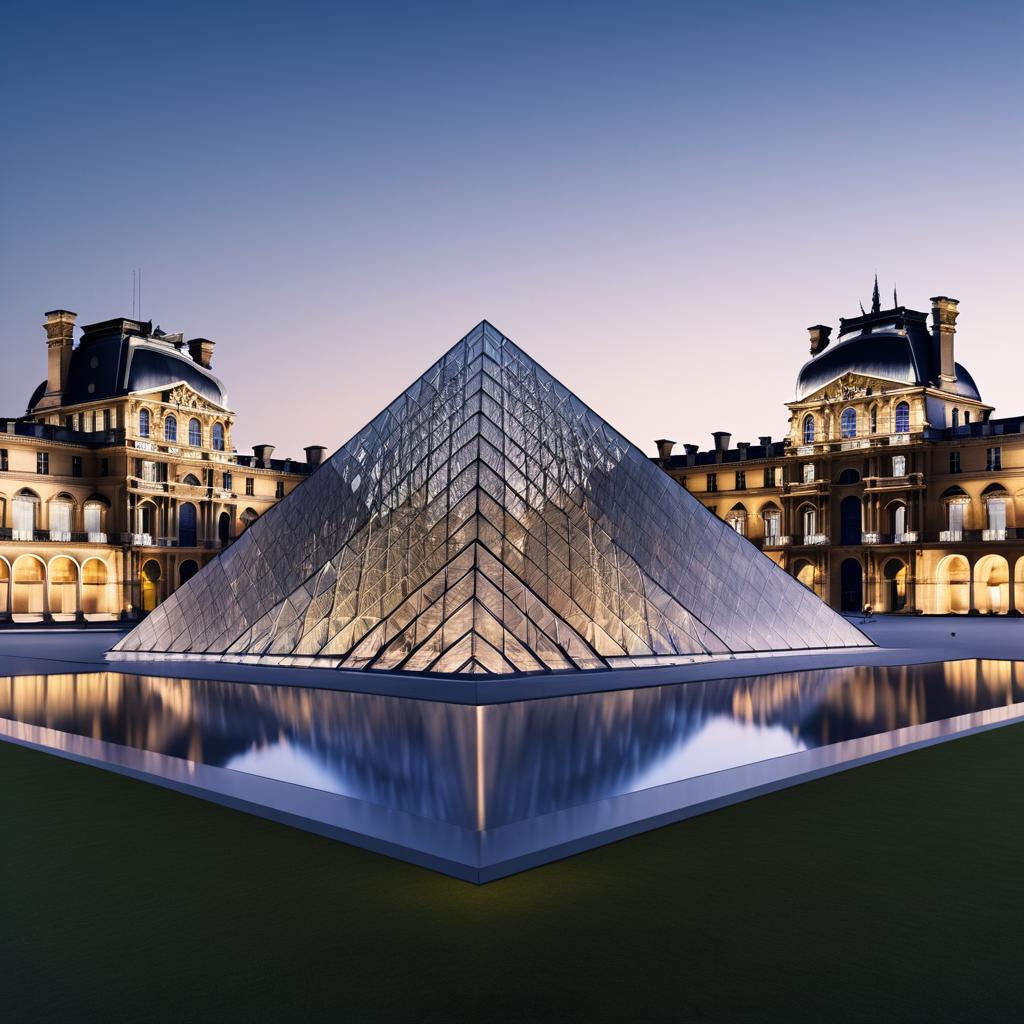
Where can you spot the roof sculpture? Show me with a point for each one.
(487, 521)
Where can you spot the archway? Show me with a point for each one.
(895, 575)
(851, 584)
(224, 529)
(992, 585)
(150, 585)
(952, 585)
(186, 571)
(187, 525)
(848, 476)
(850, 520)
(29, 584)
(94, 587)
(5, 586)
(62, 576)
(804, 572)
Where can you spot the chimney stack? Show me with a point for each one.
(314, 454)
(665, 449)
(765, 441)
(263, 453)
(819, 338)
(60, 337)
(944, 314)
(691, 453)
(743, 446)
(201, 351)
(722, 439)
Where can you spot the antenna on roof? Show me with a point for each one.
(895, 300)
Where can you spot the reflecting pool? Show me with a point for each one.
(481, 791)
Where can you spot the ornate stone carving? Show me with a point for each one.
(185, 397)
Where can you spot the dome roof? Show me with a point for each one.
(899, 351)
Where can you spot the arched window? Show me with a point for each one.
(848, 423)
(170, 429)
(23, 515)
(899, 522)
(187, 525)
(93, 519)
(736, 517)
(772, 524)
(808, 429)
(874, 419)
(995, 505)
(809, 519)
(195, 433)
(956, 418)
(903, 418)
(218, 437)
(143, 423)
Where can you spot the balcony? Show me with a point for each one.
(872, 538)
(951, 536)
(776, 541)
(907, 537)
(815, 538)
(994, 534)
(60, 535)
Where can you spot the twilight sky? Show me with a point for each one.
(654, 200)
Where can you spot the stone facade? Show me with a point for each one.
(112, 493)
(895, 485)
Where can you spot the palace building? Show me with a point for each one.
(120, 481)
(895, 487)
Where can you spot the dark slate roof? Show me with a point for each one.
(120, 356)
(893, 344)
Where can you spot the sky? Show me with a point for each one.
(653, 200)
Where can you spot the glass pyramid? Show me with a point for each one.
(487, 521)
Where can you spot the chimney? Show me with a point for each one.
(201, 351)
(819, 338)
(314, 455)
(944, 314)
(743, 446)
(722, 439)
(691, 453)
(60, 337)
(765, 441)
(665, 449)
(263, 453)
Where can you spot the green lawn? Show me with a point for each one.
(892, 892)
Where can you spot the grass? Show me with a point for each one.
(892, 892)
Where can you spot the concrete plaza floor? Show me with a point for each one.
(899, 640)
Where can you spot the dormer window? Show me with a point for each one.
(848, 423)
(808, 429)
(903, 418)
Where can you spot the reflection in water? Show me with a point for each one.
(502, 763)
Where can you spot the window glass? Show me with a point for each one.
(195, 433)
(218, 437)
(808, 473)
(903, 418)
(899, 465)
(808, 430)
(170, 429)
(143, 423)
(848, 423)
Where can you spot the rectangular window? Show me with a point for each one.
(149, 472)
(69, 422)
(712, 482)
(954, 462)
(3, 460)
(104, 467)
(279, 489)
(106, 419)
(809, 473)
(227, 481)
(956, 515)
(42, 463)
(741, 480)
(76, 465)
(996, 514)
(92, 518)
(994, 458)
(772, 525)
(249, 486)
(899, 465)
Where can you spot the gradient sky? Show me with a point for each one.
(653, 200)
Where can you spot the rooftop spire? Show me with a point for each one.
(876, 301)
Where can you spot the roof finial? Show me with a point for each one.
(876, 302)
